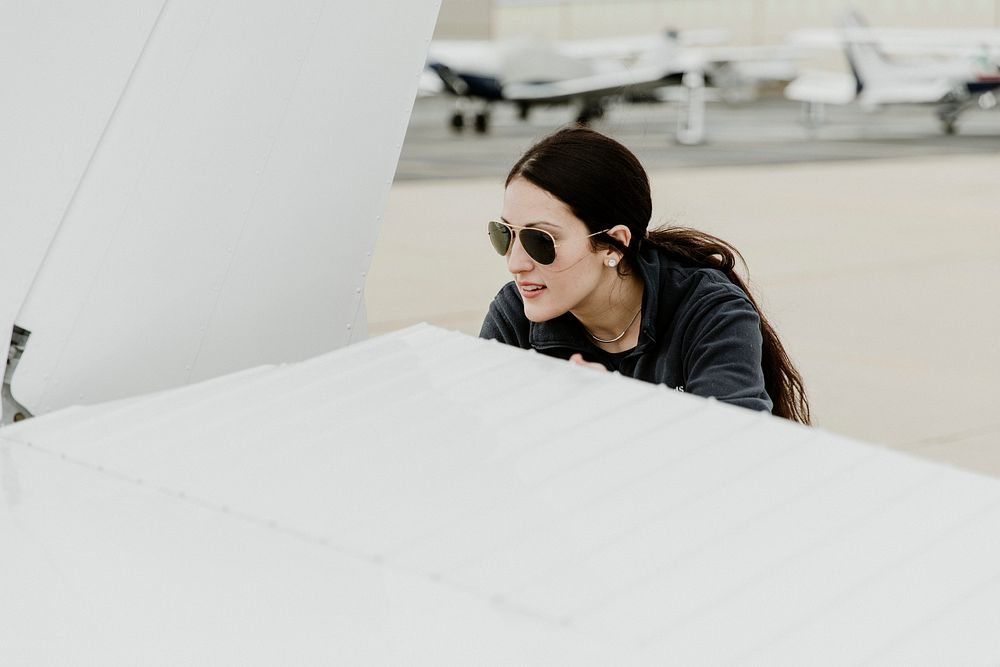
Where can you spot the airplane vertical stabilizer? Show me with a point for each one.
(198, 186)
(881, 81)
(64, 69)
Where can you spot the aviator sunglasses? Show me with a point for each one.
(538, 243)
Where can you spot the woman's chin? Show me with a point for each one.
(537, 314)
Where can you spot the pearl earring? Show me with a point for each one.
(612, 262)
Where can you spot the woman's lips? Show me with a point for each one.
(531, 290)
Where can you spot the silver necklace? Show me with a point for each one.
(619, 336)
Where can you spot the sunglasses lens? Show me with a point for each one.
(500, 237)
(538, 245)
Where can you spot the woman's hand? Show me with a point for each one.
(578, 360)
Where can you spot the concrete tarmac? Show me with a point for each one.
(768, 131)
(879, 274)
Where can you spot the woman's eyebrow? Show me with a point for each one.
(533, 224)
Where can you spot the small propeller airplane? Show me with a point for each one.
(964, 77)
(590, 73)
(528, 73)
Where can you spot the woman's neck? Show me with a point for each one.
(611, 313)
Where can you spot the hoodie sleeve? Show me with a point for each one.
(723, 356)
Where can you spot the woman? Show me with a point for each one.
(592, 285)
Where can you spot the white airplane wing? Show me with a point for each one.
(629, 48)
(822, 88)
(194, 187)
(906, 92)
(606, 83)
(927, 40)
(430, 498)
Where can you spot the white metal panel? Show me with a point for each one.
(228, 216)
(64, 65)
(104, 570)
(557, 513)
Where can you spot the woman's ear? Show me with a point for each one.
(622, 234)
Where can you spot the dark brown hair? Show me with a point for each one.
(603, 183)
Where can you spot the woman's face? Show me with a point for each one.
(549, 290)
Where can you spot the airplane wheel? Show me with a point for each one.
(589, 112)
(482, 122)
(457, 123)
(949, 120)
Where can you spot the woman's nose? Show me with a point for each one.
(518, 260)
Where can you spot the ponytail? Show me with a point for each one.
(782, 382)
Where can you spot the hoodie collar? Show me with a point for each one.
(566, 330)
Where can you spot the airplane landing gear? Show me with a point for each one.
(813, 114)
(691, 121)
(948, 117)
(589, 112)
(482, 122)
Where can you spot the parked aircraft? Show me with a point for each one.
(952, 84)
(589, 73)
(527, 73)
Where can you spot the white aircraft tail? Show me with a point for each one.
(881, 81)
(186, 191)
(868, 63)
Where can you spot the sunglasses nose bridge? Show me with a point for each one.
(520, 260)
(516, 253)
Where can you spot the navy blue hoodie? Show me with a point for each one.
(700, 333)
